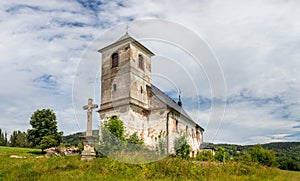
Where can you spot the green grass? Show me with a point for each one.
(29, 152)
(71, 168)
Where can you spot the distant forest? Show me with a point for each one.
(76, 138)
(287, 153)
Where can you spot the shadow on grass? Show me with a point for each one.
(36, 152)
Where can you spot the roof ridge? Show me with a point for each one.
(164, 93)
(172, 104)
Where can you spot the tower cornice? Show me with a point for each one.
(127, 39)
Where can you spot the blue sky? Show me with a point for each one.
(256, 43)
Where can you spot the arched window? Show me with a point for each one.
(114, 60)
(141, 62)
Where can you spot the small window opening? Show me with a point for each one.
(141, 62)
(115, 60)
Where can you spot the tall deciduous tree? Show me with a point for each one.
(44, 132)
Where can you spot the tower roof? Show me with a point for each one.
(126, 38)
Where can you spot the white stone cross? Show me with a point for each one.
(89, 107)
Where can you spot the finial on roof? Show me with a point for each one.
(127, 27)
(179, 100)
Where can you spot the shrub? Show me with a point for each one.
(134, 139)
(161, 147)
(112, 135)
(182, 148)
(134, 143)
(205, 155)
(113, 139)
(80, 147)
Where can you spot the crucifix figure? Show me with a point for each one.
(89, 109)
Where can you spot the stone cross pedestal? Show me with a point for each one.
(88, 152)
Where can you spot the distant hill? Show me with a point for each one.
(287, 153)
(74, 139)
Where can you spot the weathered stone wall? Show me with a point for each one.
(148, 127)
(149, 124)
(139, 78)
(118, 76)
(180, 126)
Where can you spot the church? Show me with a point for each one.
(127, 91)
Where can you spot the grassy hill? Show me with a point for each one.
(71, 168)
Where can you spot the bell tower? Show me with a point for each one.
(126, 73)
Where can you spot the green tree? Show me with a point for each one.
(112, 135)
(221, 154)
(3, 138)
(116, 127)
(48, 141)
(44, 130)
(262, 156)
(18, 139)
(290, 164)
(182, 148)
